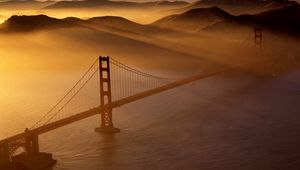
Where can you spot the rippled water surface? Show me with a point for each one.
(231, 121)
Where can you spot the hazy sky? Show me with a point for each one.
(139, 0)
(169, 0)
(125, 0)
(153, 0)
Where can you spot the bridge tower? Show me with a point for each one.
(105, 97)
(31, 143)
(258, 36)
(259, 67)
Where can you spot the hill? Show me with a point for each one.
(112, 24)
(30, 23)
(194, 19)
(238, 7)
(286, 20)
(120, 26)
(96, 33)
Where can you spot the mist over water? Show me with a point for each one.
(179, 128)
(240, 119)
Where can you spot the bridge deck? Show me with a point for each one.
(118, 103)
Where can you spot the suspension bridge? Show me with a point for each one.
(118, 84)
(106, 85)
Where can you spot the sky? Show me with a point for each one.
(139, 0)
(127, 0)
(156, 0)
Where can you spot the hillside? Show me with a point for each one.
(116, 22)
(92, 34)
(286, 20)
(239, 7)
(194, 20)
(31, 23)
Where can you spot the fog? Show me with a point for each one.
(245, 108)
(143, 16)
(175, 50)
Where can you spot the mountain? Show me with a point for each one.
(114, 21)
(238, 7)
(31, 23)
(194, 19)
(120, 26)
(108, 23)
(115, 4)
(85, 38)
(286, 20)
(112, 24)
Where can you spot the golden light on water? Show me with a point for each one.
(42, 58)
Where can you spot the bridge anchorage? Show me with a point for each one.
(105, 97)
(31, 158)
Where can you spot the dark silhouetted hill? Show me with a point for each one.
(115, 21)
(118, 25)
(194, 19)
(238, 7)
(30, 23)
(285, 20)
(110, 23)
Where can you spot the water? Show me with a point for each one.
(231, 121)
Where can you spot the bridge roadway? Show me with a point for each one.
(115, 104)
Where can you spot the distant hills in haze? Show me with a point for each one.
(187, 34)
(88, 4)
(113, 24)
(237, 7)
(285, 19)
(115, 4)
(194, 19)
(24, 4)
(32, 23)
